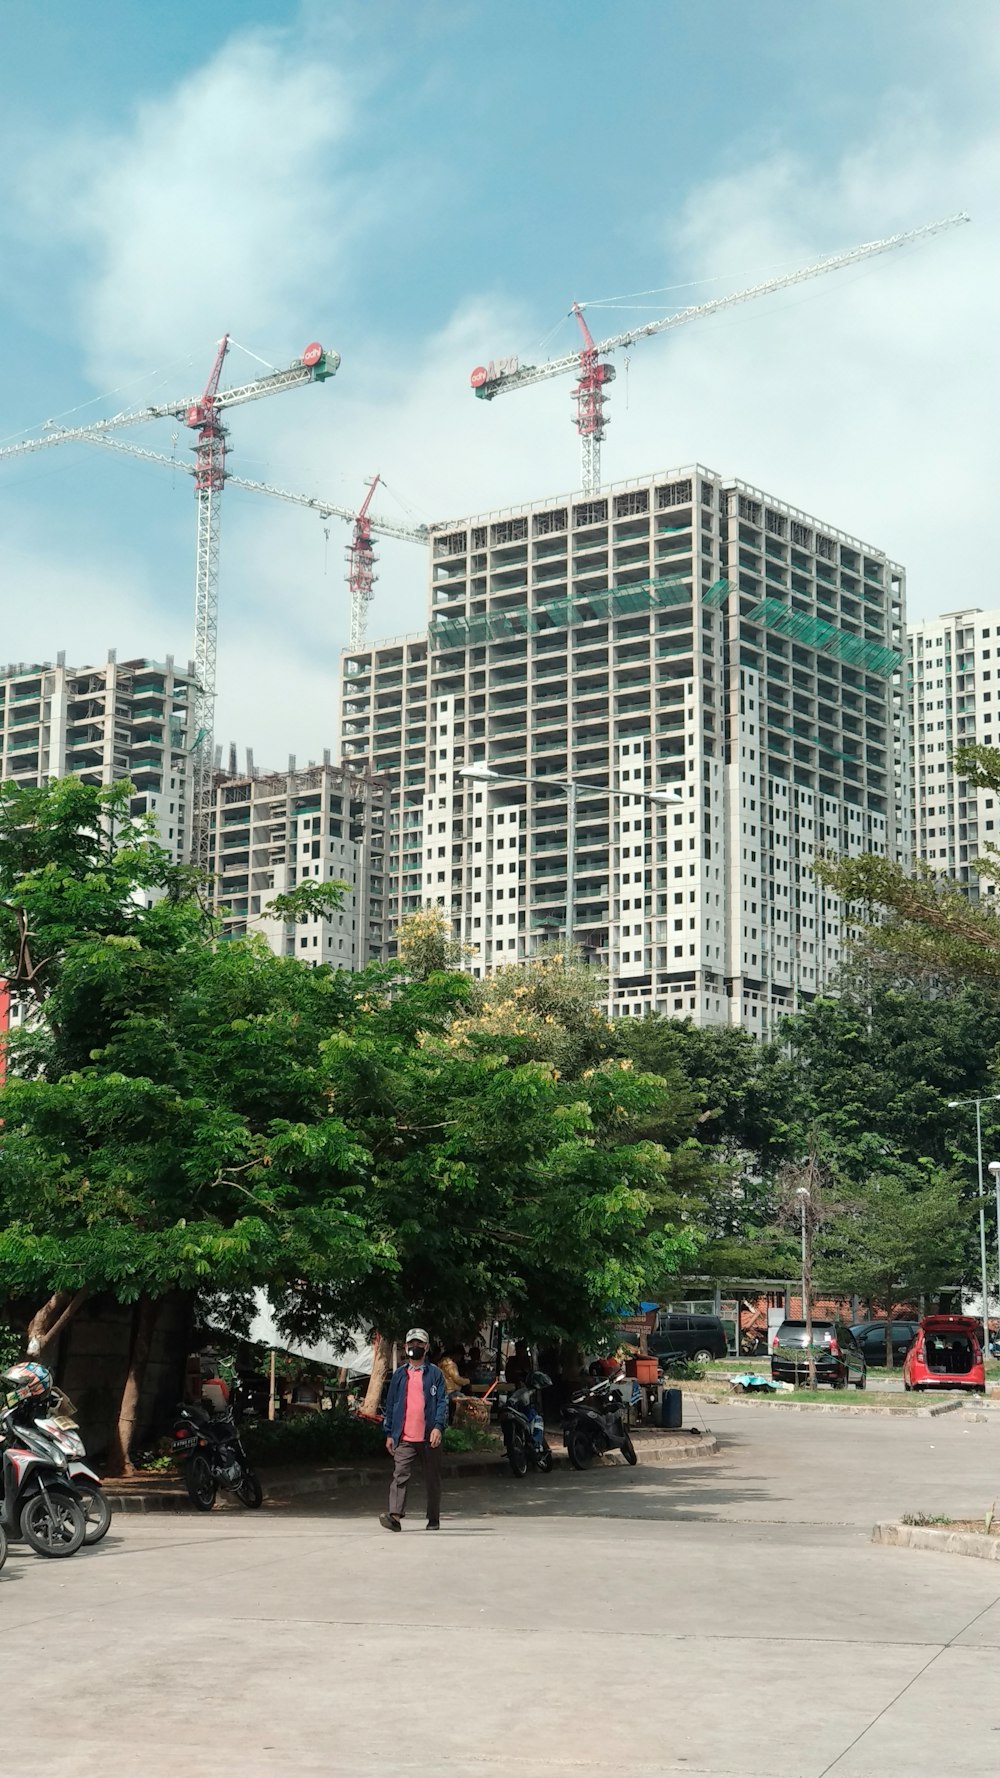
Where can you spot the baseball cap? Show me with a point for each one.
(418, 1333)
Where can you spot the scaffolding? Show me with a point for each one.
(815, 632)
(614, 601)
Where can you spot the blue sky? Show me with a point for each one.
(426, 185)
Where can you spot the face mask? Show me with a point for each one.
(415, 1351)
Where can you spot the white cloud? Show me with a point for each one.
(219, 206)
(867, 398)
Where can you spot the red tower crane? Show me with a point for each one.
(361, 560)
(204, 415)
(593, 375)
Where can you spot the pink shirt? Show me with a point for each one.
(414, 1426)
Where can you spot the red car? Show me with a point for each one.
(946, 1354)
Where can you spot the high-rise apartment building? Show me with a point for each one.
(273, 831)
(679, 632)
(121, 719)
(953, 691)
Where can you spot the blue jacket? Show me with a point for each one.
(435, 1402)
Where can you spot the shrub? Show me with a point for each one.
(313, 1438)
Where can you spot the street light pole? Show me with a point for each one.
(953, 1104)
(994, 1168)
(982, 1229)
(803, 1196)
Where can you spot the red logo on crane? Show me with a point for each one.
(312, 354)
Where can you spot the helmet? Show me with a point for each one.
(26, 1380)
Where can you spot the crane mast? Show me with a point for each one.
(361, 568)
(203, 414)
(593, 375)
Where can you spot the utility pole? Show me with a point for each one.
(805, 1208)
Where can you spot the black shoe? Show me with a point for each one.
(390, 1523)
(433, 1525)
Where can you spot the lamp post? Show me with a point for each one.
(953, 1105)
(805, 1201)
(994, 1168)
(484, 774)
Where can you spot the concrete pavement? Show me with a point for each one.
(724, 1620)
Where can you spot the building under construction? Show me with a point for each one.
(714, 670)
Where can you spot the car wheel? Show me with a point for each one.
(862, 1380)
(702, 1357)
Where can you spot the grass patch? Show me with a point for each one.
(926, 1519)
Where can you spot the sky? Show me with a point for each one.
(425, 186)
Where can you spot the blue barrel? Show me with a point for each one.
(671, 1409)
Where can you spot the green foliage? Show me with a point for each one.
(308, 900)
(898, 1233)
(313, 1438)
(214, 1118)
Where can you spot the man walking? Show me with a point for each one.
(416, 1413)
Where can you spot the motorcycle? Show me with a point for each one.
(61, 1424)
(594, 1421)
(208, 1451)
(523, 1427)
(40, 1502)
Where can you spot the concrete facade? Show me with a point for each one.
(953, 690)
(681, 632)
(120, 719)
(273, 831)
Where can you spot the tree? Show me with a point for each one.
(194, 1116)
(925, 923)
(173, 1129)
(898, 1234)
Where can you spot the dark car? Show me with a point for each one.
(870, 1336)
(701, 1337)
(839, 1358)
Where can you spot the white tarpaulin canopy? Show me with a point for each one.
(356, 1355)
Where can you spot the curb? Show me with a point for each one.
(679, 1448)
(929, 1537)
(818, 1407)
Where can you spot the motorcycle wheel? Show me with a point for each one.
(629, 1452)
(517, 1455)
(249, 1490)
(54, 1527)
(543, 1461)
(580, 1450)
(200, 1483)
(96, 1511)
(3, 1546)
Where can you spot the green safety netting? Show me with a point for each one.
(560, 614)
(815, 632)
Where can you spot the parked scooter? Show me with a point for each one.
(40, 1502)
(594, 1421)
(209, 1453)
(61, 1423)
(523, 1427)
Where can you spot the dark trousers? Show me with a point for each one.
(404, 1458)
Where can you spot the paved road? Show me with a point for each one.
(724, 1620)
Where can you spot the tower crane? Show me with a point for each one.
(203, 414)
(594, 375)
(361, 567)
(327, 509)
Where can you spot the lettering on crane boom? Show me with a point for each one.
(488, 373)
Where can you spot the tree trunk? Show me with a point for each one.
(143, 1326)
(888, 1326)
(47, 1323)
(381, 1361)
